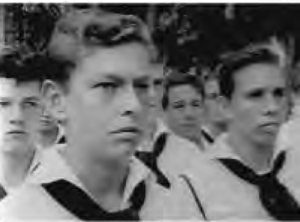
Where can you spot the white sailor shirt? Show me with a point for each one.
(31, 201)
(225, 196)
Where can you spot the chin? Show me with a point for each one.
(16, 149)
(128, 144)
(127, 151)
(187, 135)
(267, 141)
(122, 151)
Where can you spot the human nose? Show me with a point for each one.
(132, 103)
(272, 105)
(16, 115)
(189, 112)
(154, 96)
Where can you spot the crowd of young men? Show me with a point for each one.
(135, 144)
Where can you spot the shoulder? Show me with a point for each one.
(180, 142)
(175, 202)
(183, 150)
(290, 174)
(288, 135)
(175, 141)
(31, 202)
(46, 170)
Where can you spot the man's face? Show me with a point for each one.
(213, 113)
(156, 95)
(47, 122)
(20, 109)
(108, 101)
(295, 109)
(184, 111)
(259, 103)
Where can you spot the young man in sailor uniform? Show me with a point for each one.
(289, 132)
(252, 179)
(51, 131)
(169, 153)
(183, 106)
(20, 110)
(102, 67)
(214, 120)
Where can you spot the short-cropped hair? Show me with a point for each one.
(233, 62)
(80, 31)
(177, 79)
(22, 68)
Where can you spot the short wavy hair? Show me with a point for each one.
(178, 79)
(80, 31)
(231, 63)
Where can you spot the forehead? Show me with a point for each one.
(183, 92)
(11, 88)
(126, 61)
(259, 76)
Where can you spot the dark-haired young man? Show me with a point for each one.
(174, 140)
(20, 110)
(252, 179)
(214, 121)
(289, 132)
(51, 132)
(101, 85)
(183, 106)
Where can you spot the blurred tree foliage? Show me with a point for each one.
(29, 25)
(191, 35)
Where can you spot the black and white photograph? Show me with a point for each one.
(150, 111)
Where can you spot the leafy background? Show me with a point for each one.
(191, 35)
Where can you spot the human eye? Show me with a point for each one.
(158, 83)
(107, 85)
(178, 105)
(280, 93)
(31, 104)
(144, 85)
(4, 104)
(255, 94)
(196, 104)
(212, 96)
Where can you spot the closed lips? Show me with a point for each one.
(127, 130)
(271, 126)
(16, 132)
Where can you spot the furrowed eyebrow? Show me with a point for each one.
(113, 77)
(256, 92)
(178, 102)
(32, 98)
(142, 79)
(4, 98)
(116, 78)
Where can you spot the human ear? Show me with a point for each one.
(55, 101)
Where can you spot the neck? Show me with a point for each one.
(197, 139)
(48, 137)
(215, 130)
(14, 169)
(257, 157)
(103, 181)
(152, 129)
